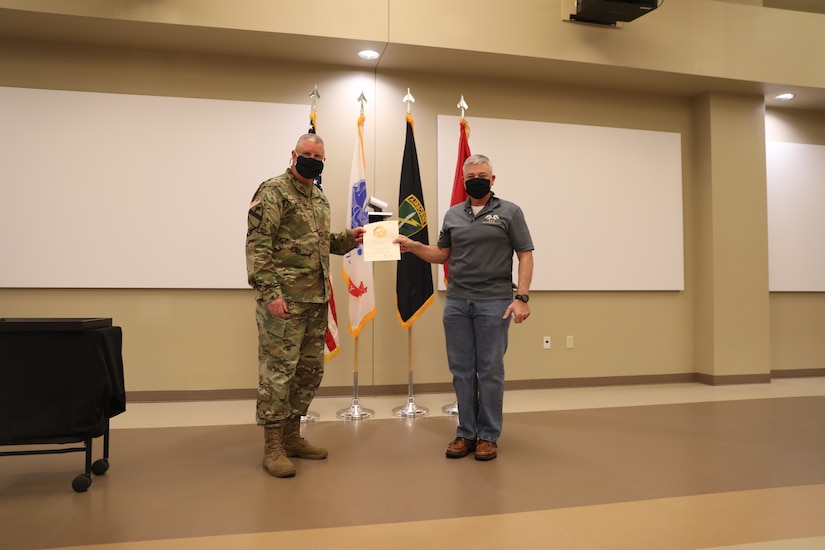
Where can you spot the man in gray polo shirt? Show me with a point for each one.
(478, 238)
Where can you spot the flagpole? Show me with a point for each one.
(310, 415)
(452, 408)
(355, 410)
(361, 286)
(410, 410)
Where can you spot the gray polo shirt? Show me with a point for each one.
(482, 247)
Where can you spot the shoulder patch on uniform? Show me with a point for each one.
(256, 214)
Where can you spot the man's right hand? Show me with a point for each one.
(403, 243)
(277, 308)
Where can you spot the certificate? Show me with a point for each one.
(378, 245)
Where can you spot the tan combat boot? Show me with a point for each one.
(275, 459)
(295, 445)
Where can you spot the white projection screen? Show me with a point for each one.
(101, 190)
(604, 205)
(796, 216)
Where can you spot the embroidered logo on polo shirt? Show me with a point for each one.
(492, 218)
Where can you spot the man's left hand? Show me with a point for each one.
(519, 310)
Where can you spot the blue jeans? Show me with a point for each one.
(476, 338)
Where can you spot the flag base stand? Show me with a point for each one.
(452, 408)
(410, 410)
(355, 412)
(310, 416)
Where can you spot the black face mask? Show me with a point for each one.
(477, 187)
(309, 168)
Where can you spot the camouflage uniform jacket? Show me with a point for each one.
(288, 241)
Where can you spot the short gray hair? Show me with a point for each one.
(314, 138)
(474, 160)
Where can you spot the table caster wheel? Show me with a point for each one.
(100, 466)
(81, 483)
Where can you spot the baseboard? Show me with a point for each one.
(731, 379)
(447, 387)
(600, 381)
(797, 373)
(161, 396)
(402, 389)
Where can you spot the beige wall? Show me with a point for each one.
(178, 340)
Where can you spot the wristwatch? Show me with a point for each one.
(523, 297)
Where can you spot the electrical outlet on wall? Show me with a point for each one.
(546, 342)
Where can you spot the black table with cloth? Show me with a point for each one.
(61, 380)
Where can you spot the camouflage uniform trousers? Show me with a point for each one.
(290, 360)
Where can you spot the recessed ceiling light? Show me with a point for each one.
(369, 55)
(785, 97)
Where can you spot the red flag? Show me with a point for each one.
(331, 340)
(459, 194)
(331, 348)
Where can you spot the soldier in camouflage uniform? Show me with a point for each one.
(288, 244)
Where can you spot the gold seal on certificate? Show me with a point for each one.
(378, 245)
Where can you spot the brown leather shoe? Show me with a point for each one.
(460, 447)
(486, 450)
